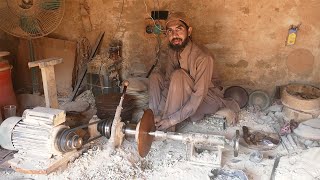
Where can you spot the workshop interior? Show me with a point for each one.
(77, 83)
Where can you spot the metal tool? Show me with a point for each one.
(275, 165)
(196, 143)
(236, 140)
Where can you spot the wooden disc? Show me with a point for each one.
(144, 139)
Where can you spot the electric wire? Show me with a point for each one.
(158, 37)
(154, 22)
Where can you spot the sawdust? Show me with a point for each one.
(206, 156)
(167, 160)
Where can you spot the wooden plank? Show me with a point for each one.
(45, 62)
(49, 87)
(4, 53)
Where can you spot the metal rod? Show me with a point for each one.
(130, 130)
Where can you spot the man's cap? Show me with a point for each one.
(180, 16)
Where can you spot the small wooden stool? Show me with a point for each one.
(48, 80)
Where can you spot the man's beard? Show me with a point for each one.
(178, 47)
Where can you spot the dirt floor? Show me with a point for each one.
(167, 159)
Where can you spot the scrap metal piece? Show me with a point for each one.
(145, 126)
(275, 165)
(236, 144)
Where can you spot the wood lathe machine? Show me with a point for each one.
(44, 143)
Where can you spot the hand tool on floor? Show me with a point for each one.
(275, 165)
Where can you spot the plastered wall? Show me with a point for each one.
(247, 37)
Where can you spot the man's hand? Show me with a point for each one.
(157, 119)
(164, 124)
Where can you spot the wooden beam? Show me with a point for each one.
(45, 62)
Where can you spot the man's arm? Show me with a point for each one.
(170, 67)
(200, 90)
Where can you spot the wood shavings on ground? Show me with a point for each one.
(206, 156)
(304, 165)
(167, 160)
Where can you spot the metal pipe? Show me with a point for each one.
(130, 130)
(168, 135)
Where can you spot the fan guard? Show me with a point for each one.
(30, 18)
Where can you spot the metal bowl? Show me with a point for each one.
(237, 93)
(259, 98)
